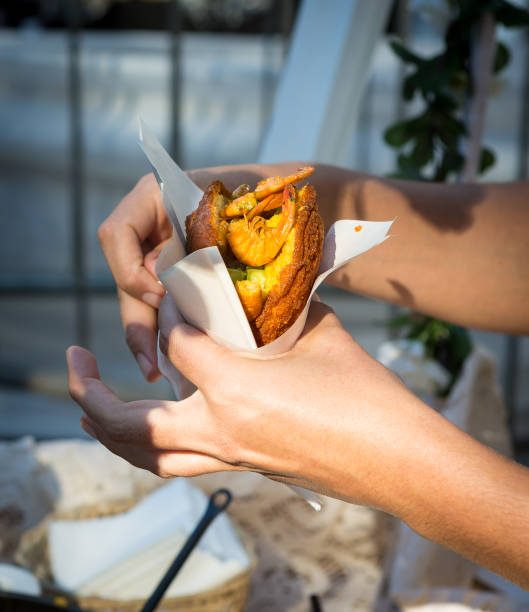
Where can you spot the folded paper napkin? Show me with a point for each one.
(124, 556)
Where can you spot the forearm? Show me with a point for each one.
(465, 496)
(458, 252)
(411, 462)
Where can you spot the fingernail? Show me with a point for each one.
(152, 299)
(145, 364)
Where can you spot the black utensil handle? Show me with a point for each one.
(218, 502)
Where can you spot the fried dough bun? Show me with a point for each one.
(205, 226)
(293, 271)
(272, 238)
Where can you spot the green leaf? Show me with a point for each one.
(511, 16)
(407, 170)
(486, 160)
(449, 129)
(398, 134)
(444, 103)
(502, 58)
(451, 163)
(422, 152)
(461, 343)
(405, 54)
(410, 86)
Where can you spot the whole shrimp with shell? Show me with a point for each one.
(265, 197)
(257, 241)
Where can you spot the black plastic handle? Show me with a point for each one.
(218, 502)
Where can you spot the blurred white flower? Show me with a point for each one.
(407, 359)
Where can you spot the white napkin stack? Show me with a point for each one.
(125, 556)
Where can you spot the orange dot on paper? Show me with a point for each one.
(358, 228)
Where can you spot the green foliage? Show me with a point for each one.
(428, 144)
(503, 57)
(448, 344)
(486, 160)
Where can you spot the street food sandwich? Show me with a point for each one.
(271, 240)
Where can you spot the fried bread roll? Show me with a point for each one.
(205, 226)
(271, 239)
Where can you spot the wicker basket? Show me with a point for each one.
(33, 553)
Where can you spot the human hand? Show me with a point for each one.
(323, 415)
(132, 238)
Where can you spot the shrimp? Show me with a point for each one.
(274, 200)
(266, 195)
(277, 183)
(241, 205)
(257, 242)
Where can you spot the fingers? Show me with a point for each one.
(152, 257)
(212, 367)
(166, 464)
(128, 423)
(190, 350)
(125, 258)
(86, 387)
(138, 219)
(168, 438)
(140, 325)
(206, 364)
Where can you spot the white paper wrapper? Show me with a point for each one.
(200, 285)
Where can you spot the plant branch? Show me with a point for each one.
(483, 52)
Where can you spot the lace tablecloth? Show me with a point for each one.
(336, 553)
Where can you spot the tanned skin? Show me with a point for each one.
(326, 415)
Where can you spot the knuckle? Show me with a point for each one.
(334, 340)
(229, 450)
(105, 231)
(116, 430)
(172, 345)
(161, 468)
(222, 395)
(76, 391)
(128, 281)
(323, 307)
(228, 424)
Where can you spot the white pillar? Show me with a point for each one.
(318, 98)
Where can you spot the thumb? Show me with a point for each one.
(85, 384)
(195, 355)
(151, 258)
